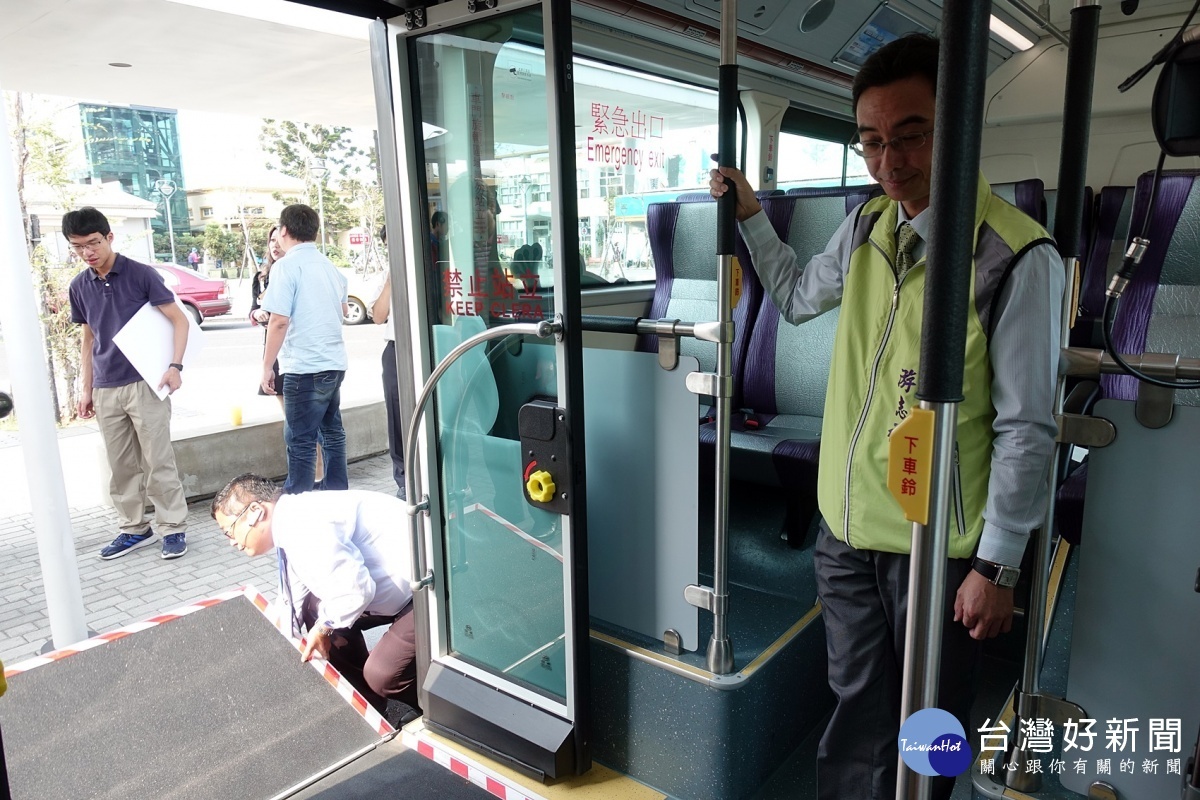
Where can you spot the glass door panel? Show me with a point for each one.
(485, 126)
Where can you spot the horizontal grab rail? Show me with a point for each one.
(1086, 362)
(640, 326)
(423, 574)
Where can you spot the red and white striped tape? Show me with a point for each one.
(465, 767)
(119, 633)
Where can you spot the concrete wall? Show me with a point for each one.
(207, 461)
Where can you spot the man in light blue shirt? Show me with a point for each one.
(307, 301)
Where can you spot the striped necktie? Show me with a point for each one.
(285, 590)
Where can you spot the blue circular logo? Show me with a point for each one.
(932, 742)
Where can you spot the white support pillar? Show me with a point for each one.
(34, 407)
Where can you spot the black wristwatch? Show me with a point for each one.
(178, 367)
(999, 574)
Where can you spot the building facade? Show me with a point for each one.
(138, 147)
(231, 206)
(130, 217)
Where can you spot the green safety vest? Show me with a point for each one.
(876, 366)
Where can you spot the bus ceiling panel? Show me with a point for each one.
(1031, 88)
(1111, 12)
(825, 38)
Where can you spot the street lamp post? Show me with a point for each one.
(166, 188)
(316, 167)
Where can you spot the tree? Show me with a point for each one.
(225, 247)
(184, 242)
(259, 230)
(42, 157)
(366, 199)
(294, 146)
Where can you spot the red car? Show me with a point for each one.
(202, 297)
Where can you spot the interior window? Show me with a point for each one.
(814, 151)
(805, 161)
(640, 139)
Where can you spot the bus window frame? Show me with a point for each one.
(798, 121)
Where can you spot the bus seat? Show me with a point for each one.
(683, 240)
(855, 195)
(1114, 209)
(467, 402)
(776, 440)
(1027, 195)
(1160, 308)
(466, 395)
(704, 197)
(1086, 225)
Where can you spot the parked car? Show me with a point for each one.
(202, 297)
(360, 294)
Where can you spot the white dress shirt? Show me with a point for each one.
(349, 548)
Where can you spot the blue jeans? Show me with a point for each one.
(312, 409)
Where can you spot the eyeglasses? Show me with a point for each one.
(88, 247)
(904, 144)
(229, 531)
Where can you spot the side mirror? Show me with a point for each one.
(6, 405)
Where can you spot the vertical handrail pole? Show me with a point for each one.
(719, 657)
(1068, 219)
(1076, 130)
(958, 124)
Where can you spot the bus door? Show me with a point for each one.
(482, 113)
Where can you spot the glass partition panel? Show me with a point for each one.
(483, 114)
(639, 139)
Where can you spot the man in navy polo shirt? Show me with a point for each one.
(135, 423)
(307, 301)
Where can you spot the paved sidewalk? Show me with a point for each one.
(138, 585)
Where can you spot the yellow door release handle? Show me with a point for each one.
(540, 486)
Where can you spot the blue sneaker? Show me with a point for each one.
(125, 543)
(174, 545)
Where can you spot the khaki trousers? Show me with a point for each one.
(136, 427)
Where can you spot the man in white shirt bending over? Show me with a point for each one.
(343, 568)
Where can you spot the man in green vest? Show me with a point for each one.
(874, 269)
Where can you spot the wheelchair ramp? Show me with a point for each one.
(394, 771)
(208, 702)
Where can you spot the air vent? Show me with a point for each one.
(756, 16)
(816, 15)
